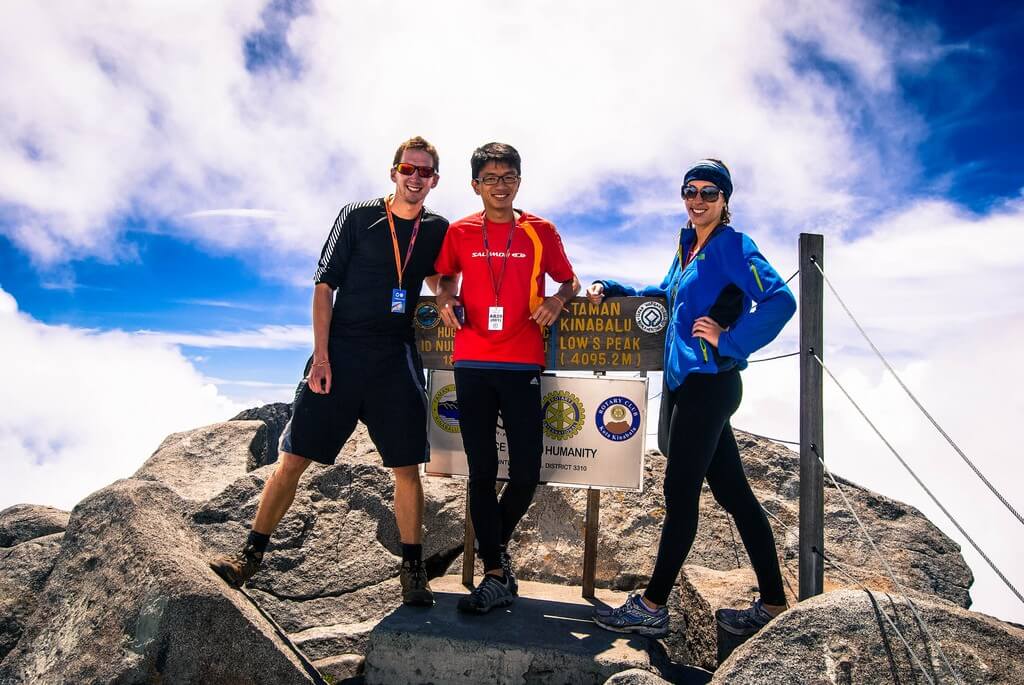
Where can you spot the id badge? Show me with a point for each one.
(398, 296)
(495, 318)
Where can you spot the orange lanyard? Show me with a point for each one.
(399, 266)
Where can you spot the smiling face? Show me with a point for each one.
(497, 198)
(413, 189)
(704, 215)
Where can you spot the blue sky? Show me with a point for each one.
(164, 196)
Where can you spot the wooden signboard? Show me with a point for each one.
(620, 334)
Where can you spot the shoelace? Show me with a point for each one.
(488, 590)
(627, 607)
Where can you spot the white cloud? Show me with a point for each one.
(938, 290)
(83, 408)
(264, 338)
(149, 110)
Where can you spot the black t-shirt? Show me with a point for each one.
(358, 260)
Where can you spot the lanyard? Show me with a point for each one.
(690, 254)
(496, 285)
(399, 267)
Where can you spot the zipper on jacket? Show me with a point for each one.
(757, 276)
(703, 349)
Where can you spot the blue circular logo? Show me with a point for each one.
(617, 418)
(427, 315)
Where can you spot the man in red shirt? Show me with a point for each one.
(504, 255)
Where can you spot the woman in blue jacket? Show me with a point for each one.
(703, 358)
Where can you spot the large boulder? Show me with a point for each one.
(691, 639)
(23, 522)
(331, 571)
(549, 542)
(842, 637)
(24, 569)
(275, 416)
(131, 600)
(198, 464)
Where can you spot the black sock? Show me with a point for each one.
(412, 552)
(257, 543)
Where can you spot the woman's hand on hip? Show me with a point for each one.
(595, 293)
(707, 328)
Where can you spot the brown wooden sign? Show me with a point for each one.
(620, 334)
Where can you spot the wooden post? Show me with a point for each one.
(468, 553)
(590, 541)
(812, 497)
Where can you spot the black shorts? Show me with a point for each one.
(378, 381)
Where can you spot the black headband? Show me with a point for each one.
(712, 172)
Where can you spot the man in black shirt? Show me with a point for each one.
(364, 364)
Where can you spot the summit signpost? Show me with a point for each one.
(594, 428)
(620, 334)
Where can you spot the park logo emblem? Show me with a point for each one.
(617, 418)
(444, 409)
(427, 316)
(563, 415)
(651, 316)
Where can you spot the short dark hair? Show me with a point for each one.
(495, 152)
(417, 143)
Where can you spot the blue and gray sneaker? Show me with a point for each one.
(743, 622)
(634, 617)
(490, 593)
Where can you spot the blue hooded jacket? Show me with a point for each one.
(727, 257)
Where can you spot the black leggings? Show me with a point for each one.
(482, 393)
(701, 445)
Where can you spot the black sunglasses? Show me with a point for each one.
(508, 179)
(707, 193)
(407, 169)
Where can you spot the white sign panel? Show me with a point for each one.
(594, 431)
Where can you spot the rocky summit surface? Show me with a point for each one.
(124, 594)
(549, 542)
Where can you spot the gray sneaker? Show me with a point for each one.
(634, 617)
(492, 592)
(506, 567)
(743, 622)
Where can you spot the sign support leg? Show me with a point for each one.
(590, 541)
(468, 553)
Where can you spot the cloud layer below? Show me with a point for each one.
(83, 408)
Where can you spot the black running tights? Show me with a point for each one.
(701, 445)
(482, 394)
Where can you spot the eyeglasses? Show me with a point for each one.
(507, 179)
(407, 169)
(707, 193)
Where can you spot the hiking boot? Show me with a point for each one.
(743, 622)
(634, 617)
(506, 568)
(415, 588)
(237, 568)
(490, 593)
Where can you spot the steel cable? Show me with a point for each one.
(903, 385)
(921, 483)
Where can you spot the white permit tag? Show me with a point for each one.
(495, 318)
